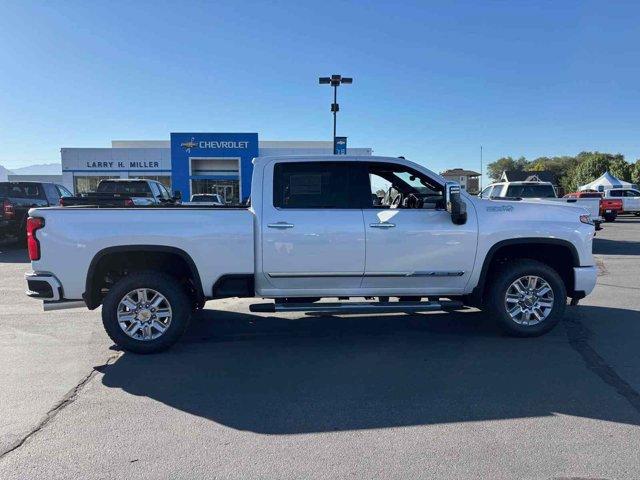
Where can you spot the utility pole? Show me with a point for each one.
(481, 168)
(335, 81)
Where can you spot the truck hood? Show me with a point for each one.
(551, 211)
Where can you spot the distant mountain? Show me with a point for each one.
(40, 169)
(3, 173)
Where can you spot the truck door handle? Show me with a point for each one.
(280, 225)
(382, 225)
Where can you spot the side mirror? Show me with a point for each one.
(177, 195)
(454, 204)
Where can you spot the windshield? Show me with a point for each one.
(531, 190)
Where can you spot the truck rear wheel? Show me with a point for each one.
(527, 298)
(146, 312)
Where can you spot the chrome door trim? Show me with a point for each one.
(369, 274)
(415, 274)
(312, 274)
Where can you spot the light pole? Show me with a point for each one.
(335, 81)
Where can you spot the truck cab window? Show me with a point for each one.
(396, 186)
(486, 193)
(312, 185)
(63, 192)
(497, 190)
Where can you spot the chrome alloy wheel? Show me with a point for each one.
(529, 300)
(144, 314)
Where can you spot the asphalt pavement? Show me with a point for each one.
(439, 395)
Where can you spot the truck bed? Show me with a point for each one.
(219, 239)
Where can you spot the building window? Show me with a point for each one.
(229, 190)
(88, 184)
(163, 179)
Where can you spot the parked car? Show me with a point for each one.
(543, 192)
(124, 192)
(17, 198)
(313, 231)
(206, 199)
(609, 207)
(630, 199)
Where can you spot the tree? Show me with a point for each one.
(495, 169)
(594, 164)
(618, 167)
(562, 167)
(635, 172)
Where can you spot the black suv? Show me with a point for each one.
(16, 198)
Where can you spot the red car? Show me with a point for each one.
(609, 207)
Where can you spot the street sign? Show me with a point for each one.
(341, 145)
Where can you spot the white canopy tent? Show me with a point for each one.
(606, 182)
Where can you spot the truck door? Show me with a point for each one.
(632, 200)
(412, 245)
(313, 238)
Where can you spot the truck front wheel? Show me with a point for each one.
(146, 312)
(527, 298)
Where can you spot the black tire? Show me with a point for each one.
(637, 214)
(502, 280)
(610, 217)
(170, 288)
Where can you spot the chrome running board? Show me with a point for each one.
(355, 307)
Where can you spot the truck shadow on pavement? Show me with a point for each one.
(13, 254)
(604, 246)
(273, 375)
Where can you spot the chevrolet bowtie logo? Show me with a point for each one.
(189, 145)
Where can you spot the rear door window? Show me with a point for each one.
(32, 190)
(313, 185)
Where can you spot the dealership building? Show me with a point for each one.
(189, 162)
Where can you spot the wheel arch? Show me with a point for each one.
(92, 295)
(522, 247)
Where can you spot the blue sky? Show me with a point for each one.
(433, 80)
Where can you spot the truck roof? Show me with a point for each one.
(350, 158)
(329, 157)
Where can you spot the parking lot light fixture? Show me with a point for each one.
(335, 81)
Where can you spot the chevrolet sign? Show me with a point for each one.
(213, 144)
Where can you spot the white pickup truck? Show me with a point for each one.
(368, 228)
(630, 199)
(537, 191)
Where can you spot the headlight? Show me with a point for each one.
(586, 219)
